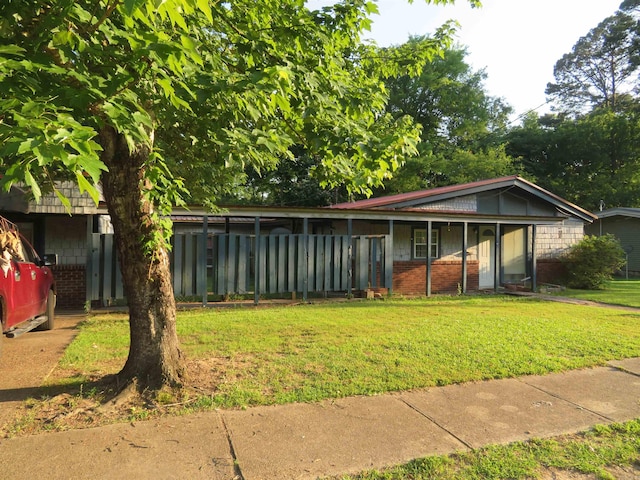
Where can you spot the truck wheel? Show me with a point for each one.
(49, 312)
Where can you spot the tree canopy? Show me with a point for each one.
(462, 126)
(588, 152)
(129, 96)
(602, 67)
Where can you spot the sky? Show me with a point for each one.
(517, 42)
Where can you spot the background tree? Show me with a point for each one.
(99, 90)
(588, 152)
(586, 160)
(461, 124)
(291, 183)
(601, 68)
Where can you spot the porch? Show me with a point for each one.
(285, 257)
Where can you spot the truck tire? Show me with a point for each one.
(49, 312)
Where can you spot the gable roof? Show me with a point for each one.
(422, 198)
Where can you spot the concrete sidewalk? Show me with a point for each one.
(306, 441)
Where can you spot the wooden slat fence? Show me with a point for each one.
(226, 264)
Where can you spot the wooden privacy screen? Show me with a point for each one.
(231, 264)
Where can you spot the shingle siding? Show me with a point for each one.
(554, 240)
(81, 204)
(467, 203)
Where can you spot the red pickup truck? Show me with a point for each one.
(27, 286)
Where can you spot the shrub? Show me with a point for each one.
(592, 262)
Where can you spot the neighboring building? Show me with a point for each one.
(624, 224)
(478, 236)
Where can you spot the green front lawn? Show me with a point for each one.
(253, 356)
(617, 292)
(257, 356)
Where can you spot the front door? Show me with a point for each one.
(487, 257)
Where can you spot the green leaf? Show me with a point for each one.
(11, 50)
(131, 6)
(63, 199)
(204, 7)
(31, 182)
(85, 186)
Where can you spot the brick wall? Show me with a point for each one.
(70, 285)
(551, 271)
(409, 278)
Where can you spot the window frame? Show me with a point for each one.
(435, 242)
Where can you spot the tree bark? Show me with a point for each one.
(155, 358)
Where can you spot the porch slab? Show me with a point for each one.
(307, 441)
(606, 391)
(499, 412)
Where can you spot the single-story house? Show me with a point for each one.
(624, 224)
(482, 235)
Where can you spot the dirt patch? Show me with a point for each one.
(30, 409)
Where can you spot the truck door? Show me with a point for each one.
(19, 299)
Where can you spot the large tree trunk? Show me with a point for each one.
(154, 358)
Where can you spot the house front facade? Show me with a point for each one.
(485, 235)
(479, 236)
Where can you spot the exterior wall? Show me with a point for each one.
(402, 243)
(70, 286)
(554, 240)
(551, 271)
(627, 231)
(410, 277)
(67, 237)
(468, 203)
(450, 243)
(81, 203)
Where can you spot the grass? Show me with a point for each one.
(617, 292)
(594, 452)
(313, 352)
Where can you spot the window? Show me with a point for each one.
(420, 243)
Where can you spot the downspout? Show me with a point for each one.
(305, 256)
(350, 258)
(89, 265)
